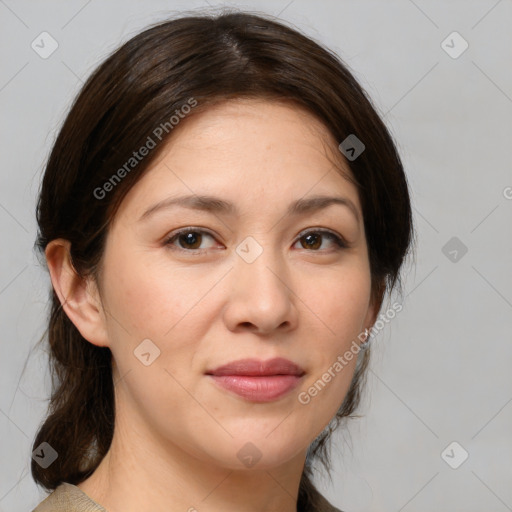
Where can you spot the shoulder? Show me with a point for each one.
(68, 498)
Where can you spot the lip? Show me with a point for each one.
(256, 380)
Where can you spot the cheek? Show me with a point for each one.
(340, 303)
(152, 299)
(172, 307)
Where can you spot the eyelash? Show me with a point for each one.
(338, 240)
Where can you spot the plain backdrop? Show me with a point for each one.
(441, 368)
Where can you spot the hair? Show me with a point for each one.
(208, 58)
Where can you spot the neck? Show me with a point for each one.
(136, 475)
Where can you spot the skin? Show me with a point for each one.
(177, 434)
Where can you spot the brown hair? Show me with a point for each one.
(209, 58)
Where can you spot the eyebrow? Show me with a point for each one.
(217, 205)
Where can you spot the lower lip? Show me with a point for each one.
(258, 389)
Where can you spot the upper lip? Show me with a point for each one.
(256, 367)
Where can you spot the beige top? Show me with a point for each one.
(68, 498)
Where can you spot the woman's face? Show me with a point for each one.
(249, 277)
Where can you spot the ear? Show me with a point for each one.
(78, 295)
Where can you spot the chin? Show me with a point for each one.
(257, 454)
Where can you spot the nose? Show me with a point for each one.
(261, 299)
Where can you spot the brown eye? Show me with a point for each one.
(188, 240)
(313, 240)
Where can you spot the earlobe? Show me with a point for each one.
(78, 295)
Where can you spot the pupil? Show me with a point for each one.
(312, 241)
(191, 239)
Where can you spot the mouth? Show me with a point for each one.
(258, 381)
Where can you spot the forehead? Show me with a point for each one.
(248, 125)
(250, 151)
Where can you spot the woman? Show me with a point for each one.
(222, 214)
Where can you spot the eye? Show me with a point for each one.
(313, 239)
(189, 240)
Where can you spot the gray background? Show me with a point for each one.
(441, 368)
